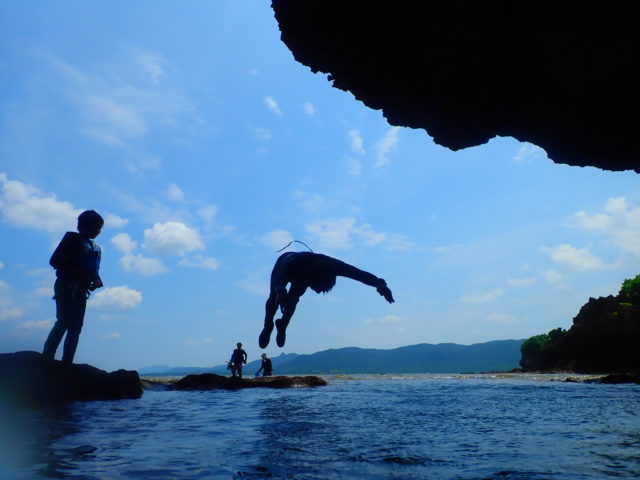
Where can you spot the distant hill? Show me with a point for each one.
(499, 355)
(221, 369)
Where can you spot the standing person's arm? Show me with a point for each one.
(345, 270)
(244, 357)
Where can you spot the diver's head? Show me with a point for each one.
(322, 276)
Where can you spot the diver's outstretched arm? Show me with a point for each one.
(345, 270)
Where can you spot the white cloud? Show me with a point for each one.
(175, 194)
(312, 202)
(10, 312)
(385, 319)
(354, 167)
(201, 261)
(482, 297)
(124, 243)
(357, 144)
(172, 238)
(114, 221)
(276, 239)
(123, 101)
(1, 265)
(618, 221)
(344, 233)
(112, 336)
(551, 276)
(273, 105)
(263, 134)
(24, 205)
(580, 259)
(208, 214)
(142, 265)
(36, 325)
(385, 146)
(309, 109)
(528, 152)
(116, 298)
(502, 318)
(521, 282)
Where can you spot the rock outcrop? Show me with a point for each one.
(604, 338)
(27, 379)
(562, 75)
(211, 381)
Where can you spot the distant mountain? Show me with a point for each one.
(499, 355)
(249, 369)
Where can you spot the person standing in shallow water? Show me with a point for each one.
(77, 263)
(307, 270)
(238, 358)
(266, 367)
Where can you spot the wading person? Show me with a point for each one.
(77, 262)
(266, 367)
(238, 358)
(304, 270)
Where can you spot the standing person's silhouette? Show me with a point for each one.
(77, 262)
(307, 270)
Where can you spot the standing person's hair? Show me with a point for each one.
(88, 218)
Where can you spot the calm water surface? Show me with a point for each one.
(378, 427)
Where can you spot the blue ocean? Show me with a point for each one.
(503, 427)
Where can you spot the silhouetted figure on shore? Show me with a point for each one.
(238, 358)
(77, 262)
(266, 367)
(307, 270)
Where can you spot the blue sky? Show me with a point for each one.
(206, 147)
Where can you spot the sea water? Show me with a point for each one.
(373, 427)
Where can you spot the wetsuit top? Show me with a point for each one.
(239, 356)
(292, 267)
(267, 366)
(76, 260)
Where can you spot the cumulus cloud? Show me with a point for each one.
(143, 265)
(618, 221)
(172, 238)
(580, 259)
(174, 193)
(273, 105)
(116, 298)
(114, 221)
(357, 144)
(132, 262)
(200, 261)
(482, 297)
(309, 109)
(345, 233)
(124, 243)
(7, 308)
(276, 239)
(385, 146)
(24, 205)
(528, 152)
(1, 265)
(112, 336)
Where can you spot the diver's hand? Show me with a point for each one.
(385, 292)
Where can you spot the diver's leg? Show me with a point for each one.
(271, 307)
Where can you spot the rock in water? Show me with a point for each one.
(210, 381)
(27, 379)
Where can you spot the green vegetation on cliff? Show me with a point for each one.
(604, 337)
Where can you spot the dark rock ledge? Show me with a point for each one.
(27, 379)
(211, 381)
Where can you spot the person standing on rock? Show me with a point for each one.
(238, 358)
(77, 262)
(266, 367)
(307, 270)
